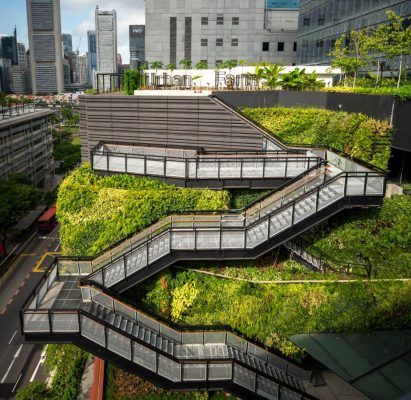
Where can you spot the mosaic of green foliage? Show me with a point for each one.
(95, 212)
(355, 134)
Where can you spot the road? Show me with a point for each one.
(20, 363)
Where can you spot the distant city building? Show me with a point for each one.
(137, 36)
(66, 73)
(106, 41)
(81, 70)
(91, 55)
(19, 79)
(5, 75)
(21, 55)
(321, 23)
(67, 43)
(27, 146)
(46, 57)
(250, 30)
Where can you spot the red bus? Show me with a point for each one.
(47, 221)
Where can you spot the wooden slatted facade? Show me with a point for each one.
(182, 121)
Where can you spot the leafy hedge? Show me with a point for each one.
(96, 211)
(355, 134)
(272, 313)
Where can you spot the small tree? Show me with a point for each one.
(393, 39)
(350, 53)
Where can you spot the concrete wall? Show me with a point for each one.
(189, 121)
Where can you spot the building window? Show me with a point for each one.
(204, 20)
(204, 42)
(295, 46)
(319, 43)
(280, 46)
(219, 42)
(218, 62)
(321, 21)
(234, 42)
(236, 21)
(204, 62)
(266, 46)
(220, 20)
(306, 22)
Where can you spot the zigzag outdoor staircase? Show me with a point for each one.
(79, 299)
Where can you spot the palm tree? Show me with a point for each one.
(201, 65)
(171, 67)
(156, 65)
(259, 74)
(186, 63)
(230, 64)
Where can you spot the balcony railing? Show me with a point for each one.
(224, 165)
(16, 110)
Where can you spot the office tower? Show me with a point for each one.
(91, 55)
(212, 31)
(322, 23)
(67, 43)
(137, 35)
(46, 58)
(19, 79)
(106, 41)
(5, 75)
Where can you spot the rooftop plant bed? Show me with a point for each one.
(355, 134)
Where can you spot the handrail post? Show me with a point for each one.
(345, 184)
(365, 183)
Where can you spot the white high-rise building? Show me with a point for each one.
(46, 58)
(214, 31)
(106, 41)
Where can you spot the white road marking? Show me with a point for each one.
(14, 334)
(11, 364)
(48, 237)
(18, 380)
(41, 362)
(58, 245)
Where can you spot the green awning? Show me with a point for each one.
(378, 363)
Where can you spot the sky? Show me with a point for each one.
(77, 17)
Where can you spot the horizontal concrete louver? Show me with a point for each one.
(44, 47)
(42, 15)
(164, 121)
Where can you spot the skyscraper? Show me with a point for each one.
(137, 34)
(91, 55)
(46, 58)
(9, 48)
(21, 55)
(106, 41)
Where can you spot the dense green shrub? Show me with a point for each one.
(403, 93)
(273, 313)
(69, 155)
(67, 363)
(383, 236)
(355, 134)
(96, 211)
